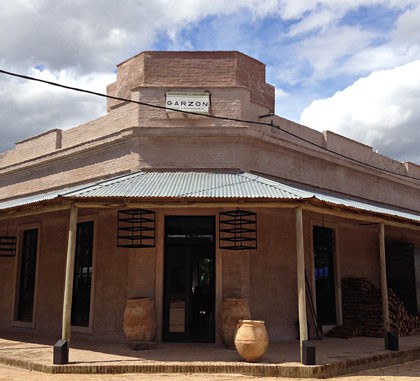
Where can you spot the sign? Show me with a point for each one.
(192, 102)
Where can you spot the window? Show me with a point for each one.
(82, 282)
(27, 276)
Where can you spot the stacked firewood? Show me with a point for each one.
(362, 306)
(402, 323)
(362, 312)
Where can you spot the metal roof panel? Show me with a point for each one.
(202, 184)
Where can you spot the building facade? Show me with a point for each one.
(304, 204)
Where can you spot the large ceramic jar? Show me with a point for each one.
(139, 321)
(233, 310)
(251, 339)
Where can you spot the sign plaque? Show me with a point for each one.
(191, 102)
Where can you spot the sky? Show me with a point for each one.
(348, 66)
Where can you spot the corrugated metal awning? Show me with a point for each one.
(37, 198)
(176, 185)
(190, 185)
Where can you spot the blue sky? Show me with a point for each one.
(350, 66)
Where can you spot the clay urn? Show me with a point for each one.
(251, 339)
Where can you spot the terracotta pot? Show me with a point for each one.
(251, 339)
(139, 321)
(233, 310)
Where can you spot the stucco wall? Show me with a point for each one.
(236, 273)
(49, 282)
(273, 274)
(51, 273)
(358, 251)
(175, 69)
(109, 278)
(7, 276)
(267, 276)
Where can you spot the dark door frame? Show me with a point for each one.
(189, 248)
(324, 251)
(400, 269)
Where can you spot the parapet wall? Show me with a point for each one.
(100, 131)
(32, 148)
(345, 148)
(192, 70)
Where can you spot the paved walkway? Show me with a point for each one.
(334, 357)
(404, 372)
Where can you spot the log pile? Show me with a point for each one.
(362, 312)
(402, 323)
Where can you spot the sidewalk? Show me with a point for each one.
(334, 357)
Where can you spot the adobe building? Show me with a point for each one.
(191, 191)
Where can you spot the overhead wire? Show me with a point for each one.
(210, 116)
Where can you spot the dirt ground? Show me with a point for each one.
(404, 372)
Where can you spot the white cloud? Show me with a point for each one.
(92, 35)
(319, 20)
(294, 10)
(381, 110)
(308, 46)
(32, 107)
(326, 51)
(406, 36)
(332, 48)
(401, 45)
(98, 34)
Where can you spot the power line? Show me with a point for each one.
(128, 100)
(207, 116)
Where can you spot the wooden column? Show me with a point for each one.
(384, 287)
(303, 326)
(68, 283)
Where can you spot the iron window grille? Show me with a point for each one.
(136, 228)
(7, 246)
(237, 230)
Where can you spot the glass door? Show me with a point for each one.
(189, 279)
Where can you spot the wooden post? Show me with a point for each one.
(68, 284)
(384, 286)
(303, 327)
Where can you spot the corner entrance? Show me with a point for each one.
(189, 279)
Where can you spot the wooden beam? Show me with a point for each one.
(191, 204)
(331, 210)
(303, 326)
(342, 213)
(321, 209)
(384, 286)
(68, 283)
(34, 211)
